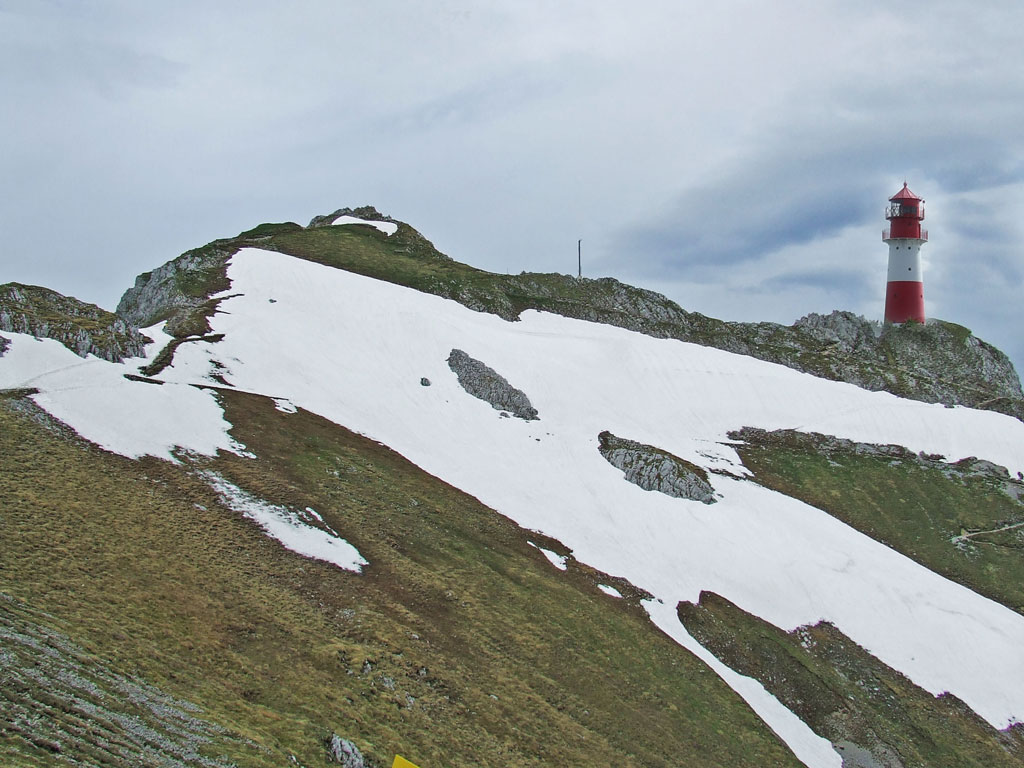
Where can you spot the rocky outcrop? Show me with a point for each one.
(490, 386)
(179, 291)
(83, 328)
(656, 470)
(367, 212)
(345, 753)
(4, 344)
(936, 361)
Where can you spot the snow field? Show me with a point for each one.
(387, 227)
(353, 350)
(131, 418)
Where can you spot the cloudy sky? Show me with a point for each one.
(736, 156)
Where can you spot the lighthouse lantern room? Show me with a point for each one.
(904, 292)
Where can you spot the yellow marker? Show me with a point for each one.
(401, 762)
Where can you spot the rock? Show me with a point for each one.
(83, 328)
(843, 331)
(855, 756)
(424, 382)
(486, 384)
(656, 470)
(366, 212)
(936, 361)
(345, 753)
(4, 344)
(179, 291)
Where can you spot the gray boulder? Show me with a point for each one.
(486, 384)
(656, 470)
(345, 753)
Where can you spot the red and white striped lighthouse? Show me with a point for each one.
(904, 292)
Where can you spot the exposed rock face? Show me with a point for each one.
(367, 212)
(656, 470)
(488, 385)
(4, 344)
(937, 361)
(345, 753)
(858, 757)
(845, 332)
(83, 328)
(179, 291)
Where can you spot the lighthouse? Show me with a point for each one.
(904, 291)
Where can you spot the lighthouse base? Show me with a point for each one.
(904, 301)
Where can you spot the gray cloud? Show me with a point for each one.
(736, 156)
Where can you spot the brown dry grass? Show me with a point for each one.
(459, 645)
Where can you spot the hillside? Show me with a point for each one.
(527, 537)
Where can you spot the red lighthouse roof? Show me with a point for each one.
(905, 194)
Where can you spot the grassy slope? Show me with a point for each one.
(507, 661)
(915, 505)
(847, 695)
(405, 258)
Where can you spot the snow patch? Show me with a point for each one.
(291, 529)
(559, 561)
(387, 227)
(284, 405)
(131, 418)
(609, 590)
